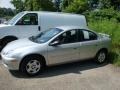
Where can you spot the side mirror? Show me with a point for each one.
(55, 43)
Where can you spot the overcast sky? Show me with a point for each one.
(6, 4)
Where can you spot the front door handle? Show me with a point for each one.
(39, 28)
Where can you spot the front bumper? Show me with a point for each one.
(10, 63)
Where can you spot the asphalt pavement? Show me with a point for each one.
(76, 76)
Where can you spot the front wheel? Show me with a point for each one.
(101, 57)
(31, 66)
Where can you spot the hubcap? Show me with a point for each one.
(33, 66)
(101, 57)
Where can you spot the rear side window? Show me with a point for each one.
(88, 35)
(92, 36)
(28, 19)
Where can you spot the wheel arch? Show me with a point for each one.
(103, 49)
(33, 55)
(9, 36)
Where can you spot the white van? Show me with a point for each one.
(30, 23)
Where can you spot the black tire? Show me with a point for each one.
(24, 66)
(101, 57)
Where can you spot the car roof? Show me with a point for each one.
(65, 28)
(49, 12)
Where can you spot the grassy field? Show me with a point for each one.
(112, 28)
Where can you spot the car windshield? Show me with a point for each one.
(13, 20)
(45, 35)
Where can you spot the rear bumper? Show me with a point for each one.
(10, 63)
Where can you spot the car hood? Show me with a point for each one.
(4, 25)
(18, 44)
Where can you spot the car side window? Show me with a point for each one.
(28, 19)
(88, 35)
(68, 37)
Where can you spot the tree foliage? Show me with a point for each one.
(72, 6)
(77, 6)
(18, 4)
(33, 5)
(6, 12)
(66, 3)
(57, 4)
(115, 4)
(105, 3)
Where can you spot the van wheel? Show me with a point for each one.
(101, 57)
(31, 66)
(6, 40)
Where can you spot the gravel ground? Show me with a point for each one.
(77, 76)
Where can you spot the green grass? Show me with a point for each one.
(112, 28)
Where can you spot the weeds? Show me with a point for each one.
(112, 28)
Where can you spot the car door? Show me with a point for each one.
(27, 25)
(67, 50)
(89, 44)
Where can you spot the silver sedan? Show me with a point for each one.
(55, 46)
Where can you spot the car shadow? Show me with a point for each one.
(76, 68)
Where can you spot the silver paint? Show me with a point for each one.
(15, 51)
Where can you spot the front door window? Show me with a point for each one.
(68, 37)
(28, 19)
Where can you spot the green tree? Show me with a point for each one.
(47, 5)
(115, 4)
(18, 4)
(66, 3)
(77, 6)
(5, 12)
(110, 3)
(32, 5)
(35, 5)
(93, 4)
(105, 3)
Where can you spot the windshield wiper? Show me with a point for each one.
(33, 38)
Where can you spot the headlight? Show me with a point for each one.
(13, 53)
(9, 53)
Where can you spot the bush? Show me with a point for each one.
(111, 27)
(77, 6)
(102, 14)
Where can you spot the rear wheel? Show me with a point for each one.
(101, 57)
(31, 66)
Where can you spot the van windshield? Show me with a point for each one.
(45, 35)
(13, 20)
